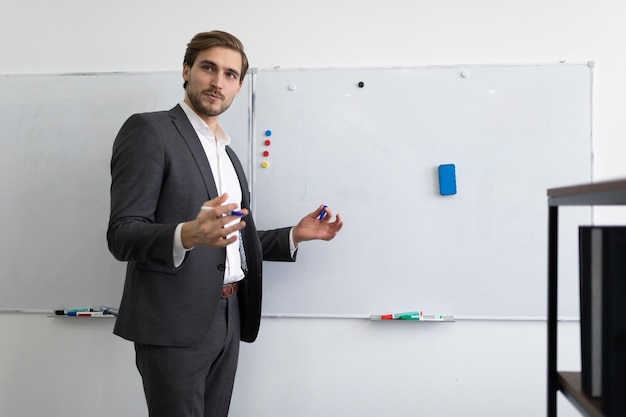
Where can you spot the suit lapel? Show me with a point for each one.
(254, 254)
(243, 183)
(190, 137)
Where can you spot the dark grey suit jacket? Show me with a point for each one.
(160, 176)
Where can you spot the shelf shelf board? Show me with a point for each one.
(571, 387)
(605, 193)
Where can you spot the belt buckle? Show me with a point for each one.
(228, 290)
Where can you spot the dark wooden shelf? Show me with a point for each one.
(570, 386)
(607, 193)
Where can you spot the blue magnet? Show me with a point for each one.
(447, 179)
(268, 133)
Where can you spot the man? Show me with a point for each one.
(193, 281)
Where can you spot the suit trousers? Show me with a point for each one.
(194, 381)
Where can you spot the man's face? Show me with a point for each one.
(213, 81)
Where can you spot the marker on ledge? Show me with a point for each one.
(87, 314)
(414, 316)
(421, 317)
(108, 310)
(232, 213)
(323, 213)
(396, 316)
(69, 311)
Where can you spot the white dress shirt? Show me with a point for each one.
(226, 180)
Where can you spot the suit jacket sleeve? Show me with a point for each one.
(276, 246)
(137, 169)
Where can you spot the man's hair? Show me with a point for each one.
(206, 40)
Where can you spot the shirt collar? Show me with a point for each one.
(201, 127)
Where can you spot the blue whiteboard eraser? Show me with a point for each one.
(447, 179)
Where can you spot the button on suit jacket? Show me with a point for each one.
(160, 176)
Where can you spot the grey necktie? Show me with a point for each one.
(242, 254)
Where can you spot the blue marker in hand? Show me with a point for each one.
(232, 212)
(323, 213)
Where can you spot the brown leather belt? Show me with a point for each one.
(230, 289)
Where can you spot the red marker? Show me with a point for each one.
(396, 316)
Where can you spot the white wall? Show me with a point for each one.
(57, 367)
(316, 367)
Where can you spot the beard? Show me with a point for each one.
(204, 109)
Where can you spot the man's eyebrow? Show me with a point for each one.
(213, 64)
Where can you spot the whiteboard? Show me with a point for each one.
(370, 153)
(367, 142)
(57, 135)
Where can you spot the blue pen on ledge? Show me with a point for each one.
(70, 311)
(323, 213)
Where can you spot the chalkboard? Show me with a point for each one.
(368, 142)
(57, 135)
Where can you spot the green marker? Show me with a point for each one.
(420, 317)
(395, 316)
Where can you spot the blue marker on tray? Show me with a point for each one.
(109, 310)
(70, 311)
(323, 213)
